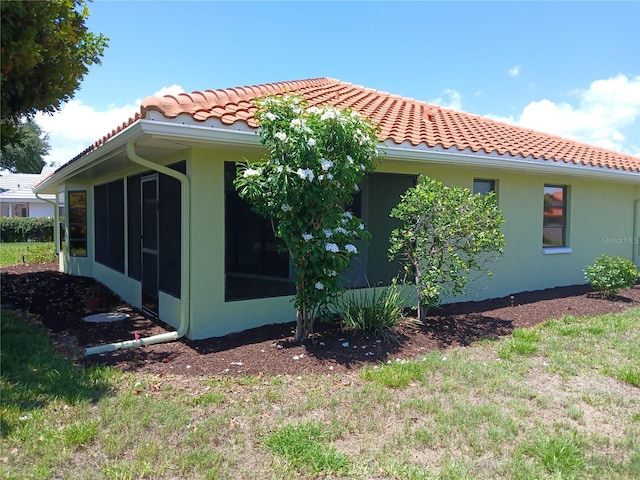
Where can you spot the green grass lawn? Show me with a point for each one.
(561, 400)
(26, 252)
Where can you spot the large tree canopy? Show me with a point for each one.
(46, 51)
(25, 154)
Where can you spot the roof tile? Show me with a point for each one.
(400, 119)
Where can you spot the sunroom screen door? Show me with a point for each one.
(149, 196)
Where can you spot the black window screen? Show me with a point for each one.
(109, 224)
(170, 215)
(255, 265)
(133, 225)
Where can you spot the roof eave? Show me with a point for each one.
(134, 132)
(478, 160)
(186, 132)
(227, 136)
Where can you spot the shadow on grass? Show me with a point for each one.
(33, 375)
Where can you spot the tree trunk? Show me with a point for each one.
(422, 310)
(304, 327)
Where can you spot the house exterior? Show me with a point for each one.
(17, 198)
(152, 212)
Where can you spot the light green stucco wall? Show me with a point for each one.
(600, 219)
(210, 314)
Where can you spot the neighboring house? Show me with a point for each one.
(153, 214)
(17, 198)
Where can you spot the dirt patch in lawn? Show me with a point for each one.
(58, 301)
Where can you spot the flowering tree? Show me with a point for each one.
(446, 233)
(316, 158)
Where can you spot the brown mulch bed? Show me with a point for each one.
(57, 300)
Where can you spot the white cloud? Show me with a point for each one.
(453, 102)
(77, 126)
(515, 71)
(601, 114)
(171, 90)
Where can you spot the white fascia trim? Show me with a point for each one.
(185, 131)
(224, 135)
(250, 138)
(151, 128)
(507, 163)
(94, 157)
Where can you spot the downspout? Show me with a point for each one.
(185, 285)
(636, 236)
(56, 223)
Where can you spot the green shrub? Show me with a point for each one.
(376, 311)
(26, 229)
(609, 274)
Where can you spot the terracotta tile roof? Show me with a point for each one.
(402, 121)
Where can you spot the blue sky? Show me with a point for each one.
(568, 68)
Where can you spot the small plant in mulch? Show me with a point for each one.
(610, 274)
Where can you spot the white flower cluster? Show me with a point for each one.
(325, 164)
(307, 236)
(305, 174)
(250, 172)
(361, 138)
(350, 248)
(281, 136)
(331, 247)
(330, 113)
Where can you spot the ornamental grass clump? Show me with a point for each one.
(610, 274)
(377, 311)
(316, 158)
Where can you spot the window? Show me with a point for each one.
(20, 210)
(554, 231)
(134, 229)
(77, 207)
(170, 240)
(255, 264)
(109, 224)
(483, 186)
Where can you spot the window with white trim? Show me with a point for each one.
(554, 223)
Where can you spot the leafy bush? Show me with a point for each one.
(26, 229)
(609, 274)
(446, 233)
(375, 311)
(317, 157)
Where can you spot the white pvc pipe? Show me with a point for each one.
(141, 342)
(185, 281)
